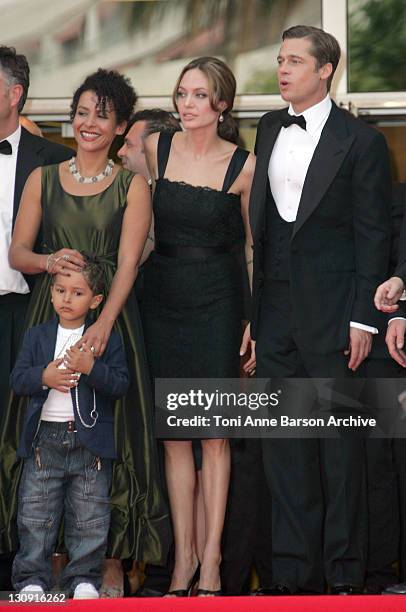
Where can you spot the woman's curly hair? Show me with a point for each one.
(111, 88)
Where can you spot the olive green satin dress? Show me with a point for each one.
(139, 523)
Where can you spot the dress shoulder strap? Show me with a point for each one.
(49, 173)
(50, 183)
(164, 147)
(234, 167)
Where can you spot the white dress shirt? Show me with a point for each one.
(11, 281)
(291, 157)
(290, 160)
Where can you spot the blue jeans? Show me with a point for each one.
(62, 478)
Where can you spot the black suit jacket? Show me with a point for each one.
(339, 250)
(400, 261)
(398, 205)
(33, 152)
(401, 266)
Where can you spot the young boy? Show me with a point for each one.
(67, 441)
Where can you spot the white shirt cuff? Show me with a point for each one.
(367, 328)
(397, 319)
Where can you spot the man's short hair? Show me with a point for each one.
(16, 71)
(157, 120)
(324, 47)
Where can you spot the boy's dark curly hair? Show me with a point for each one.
(111, 88)
(93, 273)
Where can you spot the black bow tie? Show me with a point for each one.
(288, 120)
(5, 147)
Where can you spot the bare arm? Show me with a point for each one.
(245, 200)
(136, 223)
(28, 222)
(248, 174)
(150, 148)
(150, 243)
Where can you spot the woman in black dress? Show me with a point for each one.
(193, 296)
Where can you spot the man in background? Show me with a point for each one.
(30, 126)
(141, 125)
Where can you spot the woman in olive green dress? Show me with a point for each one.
(90, 204)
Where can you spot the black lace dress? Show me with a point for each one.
(193, 281)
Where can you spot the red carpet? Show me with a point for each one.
(383, 603)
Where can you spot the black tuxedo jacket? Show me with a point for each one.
(33, 152)
(400, 263)
(401, 267)
(339, 250)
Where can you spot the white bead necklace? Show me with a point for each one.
(89, 179)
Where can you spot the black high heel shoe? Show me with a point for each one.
(208, 593)
(186, 592)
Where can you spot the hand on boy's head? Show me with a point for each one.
(65, 260)
(79, 358)
(61, 379)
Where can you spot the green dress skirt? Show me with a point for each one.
(140, 527)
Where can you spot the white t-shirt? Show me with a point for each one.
(58, 406)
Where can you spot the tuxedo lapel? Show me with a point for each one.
(27, 159)
(48, 340)
(268, 136)
(333, 146)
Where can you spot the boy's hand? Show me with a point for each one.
(57, 378)
(80, 359)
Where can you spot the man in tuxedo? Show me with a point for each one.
(320, 219)
(20, 153)
(390, 299)
(386, 467)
